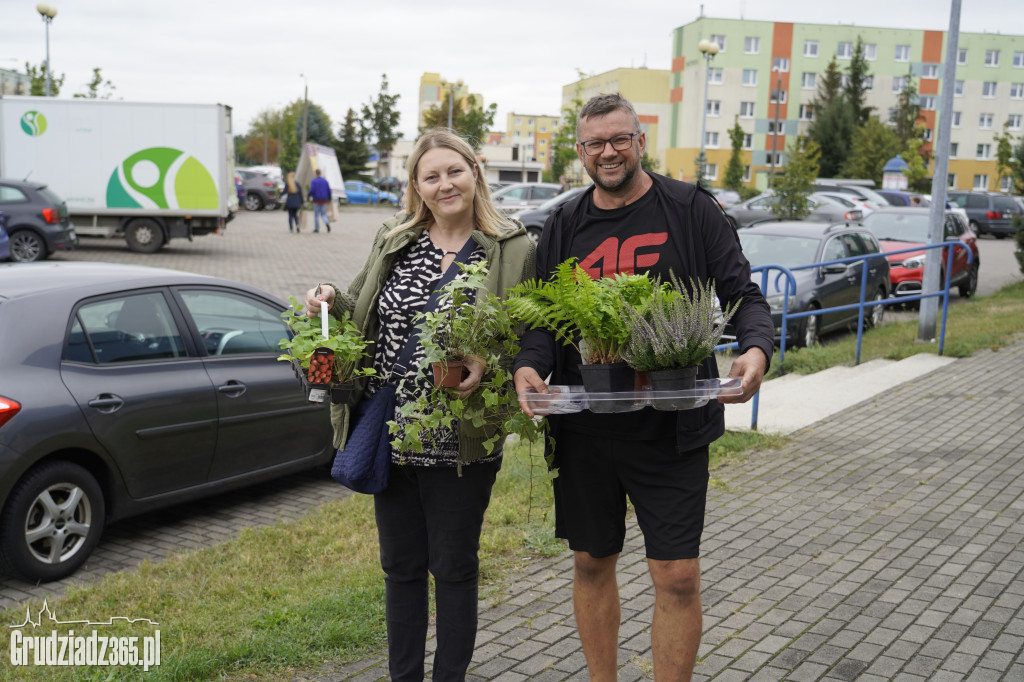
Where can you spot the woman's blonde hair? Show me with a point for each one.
(488, 219)
(292, 187)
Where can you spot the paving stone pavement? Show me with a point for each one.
(882, 544)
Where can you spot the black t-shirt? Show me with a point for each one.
(640, 242)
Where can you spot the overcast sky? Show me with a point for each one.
(518, 54)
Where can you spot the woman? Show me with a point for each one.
(430, 516)
(292, 202)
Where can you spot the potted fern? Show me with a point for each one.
(331, 361)
(470, 322)
(587, 314)
(673, 332)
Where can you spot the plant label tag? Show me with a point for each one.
(317, 395)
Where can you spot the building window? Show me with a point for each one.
(955, 120)
(542, 142)
(1013, 121)
(748, 141)
(1006, 185)
(519, 121)
(870, 51)
(720, 41)
(930, 71)
(542, 155)
(927, 103)
(516, 134)
(981, 182)
(781, 127)
(988, 89)
(746, 174)
(869, 83)
(543, 129)
(845, 51)
(711, 140)
(746, 110)
(711, 171)
(985, 121)
(899, 84)
(780, 64)
(809, 81)
(777, 158)
(844, 80)
(750, 76)
(715, 76)
(529, 122)
(810, 48)
(984, 152)
(902, 53)
(1016, 90)
(806, 112)
(961, 57)
(958, 89)
(954, 149)
(991, 57)
(751, 45)
(714, 107)
(927, 136)
(777, 96)
(1018, 60)
(951, 180)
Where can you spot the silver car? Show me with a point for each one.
(520, 195)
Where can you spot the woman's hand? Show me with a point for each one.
(321, 292)
(476, 368)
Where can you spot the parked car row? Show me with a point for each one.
(365, 193)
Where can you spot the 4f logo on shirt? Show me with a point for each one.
(612, 257)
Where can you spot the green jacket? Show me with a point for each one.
(510, 259)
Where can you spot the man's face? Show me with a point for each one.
(611, 170)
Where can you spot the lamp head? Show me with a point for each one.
(46, 10)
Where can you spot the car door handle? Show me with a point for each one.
(851, 280)
(107, 403)
(232, 389)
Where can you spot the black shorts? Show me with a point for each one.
(668, 491)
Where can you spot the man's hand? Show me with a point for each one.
(750, 366)
(525, 379)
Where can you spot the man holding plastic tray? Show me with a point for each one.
(634, 221)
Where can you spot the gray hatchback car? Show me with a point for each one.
(37, 220)
(133, 388)
(988, 212)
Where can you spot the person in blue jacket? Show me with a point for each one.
(320, 193)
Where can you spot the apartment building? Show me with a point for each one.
(766, 76)
(434, 89)
(531, 134)
(648, 91)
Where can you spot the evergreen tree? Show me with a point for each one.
(792, 189)
(351, 147)
(833, 124)
(563, 142)
(873, 145)
(380, 121)
(318, 126)
(734, 171)
(905, 116)
(856, 85)
(470, 120)
(917, 167)
(1017, 165)
(1004, 155)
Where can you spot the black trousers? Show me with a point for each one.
(293, 218)
(429, 519)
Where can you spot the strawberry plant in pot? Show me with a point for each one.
(588, 315)
(334, 360)
(672, 333)
(470, 323)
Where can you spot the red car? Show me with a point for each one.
(902, 228)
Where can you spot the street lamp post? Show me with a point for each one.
(47, 12)
(708, 49)
(775, 131)
(451, 103)
(305, 112)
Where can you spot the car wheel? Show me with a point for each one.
(976, 228)
(253, 202)
(52, 522)
(27, 246)
(1000, 235)
(877, 313)
(970, 285)
(809, 334)
(144, 236)
(534, 234)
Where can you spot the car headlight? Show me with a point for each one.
(914, 262)
(776, 302)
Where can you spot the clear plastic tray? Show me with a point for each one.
(570, 399)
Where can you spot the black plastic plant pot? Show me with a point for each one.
(673, 380)
(616, 377)
(343, 394)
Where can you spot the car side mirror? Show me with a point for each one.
(834, 269)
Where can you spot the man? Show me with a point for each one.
(633, 221)
(320, 193)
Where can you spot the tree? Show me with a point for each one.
(833, 124)
(291, 136)
(92, 88)
(563, 142)
(469, 119)
(873, 145)
(1005, 160)
(265, 131)
(917, 169)
(1018, 167)
(649, 162)
(907, 113)
(318, 126)
(734, 171)
(792, 188)
(351, 148)
(37, 74)
(380, 121)
(856, 85)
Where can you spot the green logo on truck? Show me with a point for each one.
(33, 123)
(161, 177)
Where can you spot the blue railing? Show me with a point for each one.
(790, 289)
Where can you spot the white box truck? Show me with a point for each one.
(142, 171)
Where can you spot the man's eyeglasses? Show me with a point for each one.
(619, 143)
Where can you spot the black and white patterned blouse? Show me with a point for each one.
(414, 274)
